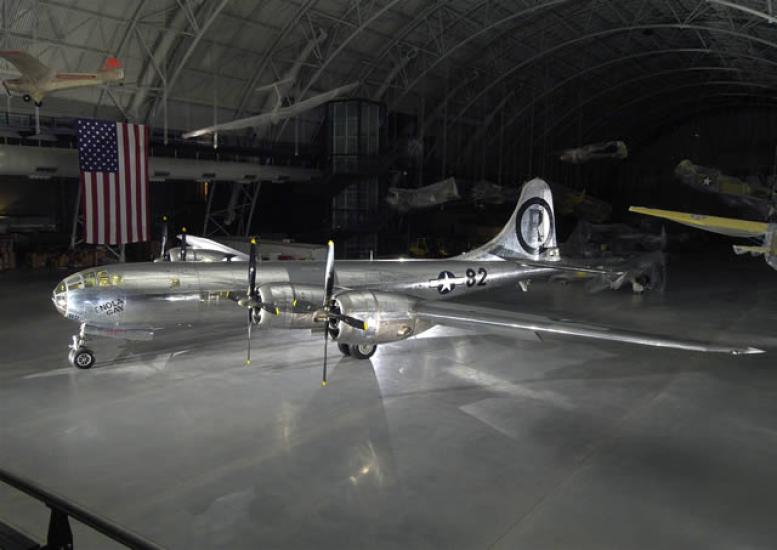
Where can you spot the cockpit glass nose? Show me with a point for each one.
(60, 298)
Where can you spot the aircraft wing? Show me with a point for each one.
(276, 116)
(201, 243)
(464, 316)
(26, 64)
(725, 226)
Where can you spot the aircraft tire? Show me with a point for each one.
(363, 351)
(82, 358)
(344, 349)
(27, 98)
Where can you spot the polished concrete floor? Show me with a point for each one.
(451, 440)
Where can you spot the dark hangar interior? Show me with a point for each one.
(538, 239)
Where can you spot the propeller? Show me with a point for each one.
(164, 239)
(329, 283)
(328, 311)
(250, 300)
(183, 244)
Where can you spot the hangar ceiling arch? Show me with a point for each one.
(485, 63)
(593, 36)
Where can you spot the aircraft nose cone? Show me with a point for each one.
(59, 298)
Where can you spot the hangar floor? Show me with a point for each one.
(451, 440)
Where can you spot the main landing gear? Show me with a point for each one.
(358, 351)
(79, 355)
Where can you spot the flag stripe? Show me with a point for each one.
(143, 140)
(100, 208)
(124, 212)
(114, 230)
(128, 167)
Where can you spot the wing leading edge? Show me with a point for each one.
(458, 315)
(731, 227)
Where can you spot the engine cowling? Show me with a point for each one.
(389, 317)
(290, 306)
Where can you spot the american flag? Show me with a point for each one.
(113, 160)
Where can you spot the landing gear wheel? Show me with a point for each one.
(82, 358)
(363, 351)
(27, 98)
(344, 349)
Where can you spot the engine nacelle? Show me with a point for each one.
(296, 305)
(389, 317)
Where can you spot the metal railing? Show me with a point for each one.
(60, 536)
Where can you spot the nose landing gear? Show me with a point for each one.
(79, 355)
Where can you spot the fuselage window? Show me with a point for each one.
(89, 280)
(74, 283)
(103, 279)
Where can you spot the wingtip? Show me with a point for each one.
(750, 350)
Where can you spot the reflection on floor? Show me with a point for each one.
(450, 440)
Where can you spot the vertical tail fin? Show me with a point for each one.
(111, 71)
(111, 64)
(529, 234)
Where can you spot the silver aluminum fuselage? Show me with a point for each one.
(151, 296)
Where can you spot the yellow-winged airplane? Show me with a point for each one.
(731, 227)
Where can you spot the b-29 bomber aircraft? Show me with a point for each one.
(359, 304)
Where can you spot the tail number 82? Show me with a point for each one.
(476, 278)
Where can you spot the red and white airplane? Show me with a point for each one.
(38, 79)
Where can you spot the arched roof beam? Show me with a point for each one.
(340, 47)
(598, 34)
(161, 49)
(631, 81)
(515, 116)
(675, 104)
(683, 87)
(200, 30)
(402, 35)
(254, 80)
(469, 39)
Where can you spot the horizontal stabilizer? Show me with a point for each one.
(731, 227)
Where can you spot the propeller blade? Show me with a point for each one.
(164, 238)
(183, 244)
(326, 343)
(250, 299)
(329, 274)
(250, 322)
(329, 283)
(348, 320)
(252, 269)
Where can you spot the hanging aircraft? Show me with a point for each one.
(276, 115)
(595, 151)
(753, 197)
(732, 227)
(361, 304)
(38, 79)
